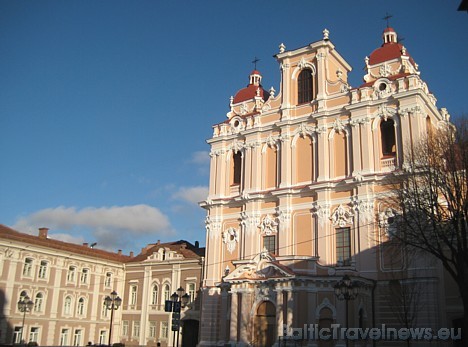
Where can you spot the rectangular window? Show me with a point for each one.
(64, 336)
(78, 337)
(84, 276)
(103, 337)
(152, 329)
(17, 335)
(108, 281)
(71, 274)
(164, 330)
(125, 328)
(136, 329)
(133, 295)
(269, 243)
(27, 267)
(43, 269)
(34, 334)
(191, 291)
(343, 246)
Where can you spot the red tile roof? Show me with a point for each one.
(185, 248)
(7, 233)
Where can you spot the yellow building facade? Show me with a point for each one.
(296, 198)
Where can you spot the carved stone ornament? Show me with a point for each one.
(230, 238)
(284, 217)
(387, 220)
(342, 216)
(304, 130)
(385, 70)
(338, 125)
(364, 207)
(271, 141)
(269, 225)
(237, 146)
(244, 108)
(322, 213)
(212, 226)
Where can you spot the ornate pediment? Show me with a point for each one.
(262, 267)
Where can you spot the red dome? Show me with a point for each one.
(249, 93)
(388, 51)
(388, 30)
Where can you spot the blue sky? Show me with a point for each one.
(105, 106)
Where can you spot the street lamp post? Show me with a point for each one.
(25, 304)
(346, 290)
(179, 300)
(112, 303)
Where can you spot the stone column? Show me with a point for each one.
(234, 315)
(279, 311)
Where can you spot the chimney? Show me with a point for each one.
(85, 244)
(131, 254)
(197, 244)
(159, 242)
(43, 232)
(119, 252)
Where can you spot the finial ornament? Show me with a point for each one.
(282, 48)
(326, 33)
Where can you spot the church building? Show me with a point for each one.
(296, 200)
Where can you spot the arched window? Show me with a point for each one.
(236, 168)
(305, 87)
(167, 292)
(154, 295)
(387, 134)
(67, 305)
(81, 307)
(38, 302)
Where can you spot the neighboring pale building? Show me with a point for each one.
(67, 284)
(150, 279)
(296, 199)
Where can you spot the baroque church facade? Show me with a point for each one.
(297, 200)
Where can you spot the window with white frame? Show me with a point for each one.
(164, 333)
(17, 335)
(71, 274)
(27, 267)
(81, 307)
(104, 310)
(64, 337)
(133, 294)
(43, 269)
(38, 302)
(84, 276)
(167, 292)
(34, 334)
(78, 337)
(67, 304)
(154, 294)
(108, 280)
(103, 337)
(136, 329)
(152, 329)
(191, 291)
(125, 328)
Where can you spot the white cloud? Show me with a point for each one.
(110, 226)
(191, 195)
(200, 158)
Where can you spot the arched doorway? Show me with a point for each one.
(265, 325)
(190, 333)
